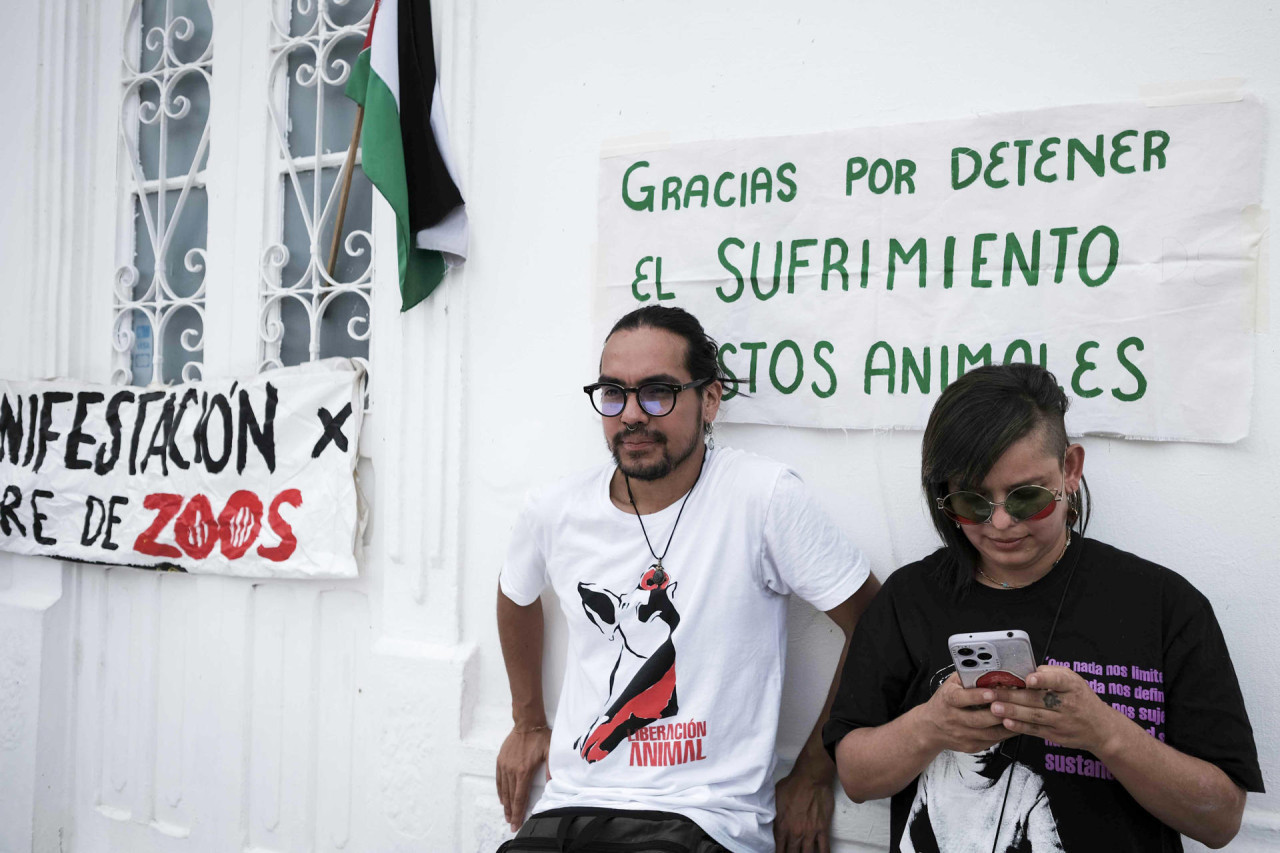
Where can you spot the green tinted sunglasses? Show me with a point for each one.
(1025, 503)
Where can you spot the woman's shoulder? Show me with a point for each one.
(1125, 569)
(924, 574)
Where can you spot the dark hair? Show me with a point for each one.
(701, 350)
(975, 420)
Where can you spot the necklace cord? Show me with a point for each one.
(636, 509)
(1053, 629)
(1003, 585)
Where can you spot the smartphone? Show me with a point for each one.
(992, 658)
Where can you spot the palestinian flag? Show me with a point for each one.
(405, 141)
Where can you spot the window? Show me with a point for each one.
(306, 310)
(164, 126)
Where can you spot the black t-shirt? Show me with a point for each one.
(1142, 636)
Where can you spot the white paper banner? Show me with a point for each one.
(850, 276)
(252, 477)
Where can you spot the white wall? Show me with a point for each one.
(554, 80)
(533, 89)
(28, 587)
(18, 58)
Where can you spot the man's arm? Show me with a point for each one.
(525, 748)
(805, 797)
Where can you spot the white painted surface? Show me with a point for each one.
(163, 713)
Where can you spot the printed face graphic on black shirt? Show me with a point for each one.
(959, 799)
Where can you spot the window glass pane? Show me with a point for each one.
(342, 325)
(295, 318)
(302, 100)
(184, 262)
(296, 272)
(159, 301)
(143, 346)
(339, 113)
(148, 103)
(152, 23)
(335, 306)
(144, 260)
(350, 14)
(189, 227)
(187, 113)
(183, 340)
(303, 18)
(192, 41)
(173, 81)
(353, 261)
(308, 312)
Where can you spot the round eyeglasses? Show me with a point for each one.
(655, 398)
(1025, 503)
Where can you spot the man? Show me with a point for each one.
(672, 565)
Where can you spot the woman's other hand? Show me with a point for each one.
(958, 718)
(1060, 706)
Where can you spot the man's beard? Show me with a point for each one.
(659, 468)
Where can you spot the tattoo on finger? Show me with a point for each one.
(1052, 701)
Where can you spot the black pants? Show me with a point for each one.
(587, 830)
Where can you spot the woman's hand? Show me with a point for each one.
(1189, 794)
(1060, 706)
(958, 718)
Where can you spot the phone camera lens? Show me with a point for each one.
(984, 656)
(970, 662)
(965, 652)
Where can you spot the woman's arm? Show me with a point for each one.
(1188, 794)
(880, 761)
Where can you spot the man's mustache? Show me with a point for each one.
(641, 435)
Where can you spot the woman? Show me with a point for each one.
(1133, 727)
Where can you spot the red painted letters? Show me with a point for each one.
(166, 507)
(235, 529)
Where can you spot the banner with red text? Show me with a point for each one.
(850, 276)
(252, 477)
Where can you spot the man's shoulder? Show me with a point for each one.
(745, 469)
(579, 488)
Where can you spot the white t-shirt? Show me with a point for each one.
(671, 690)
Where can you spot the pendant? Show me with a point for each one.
(659, 575)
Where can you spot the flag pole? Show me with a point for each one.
(348, 170)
